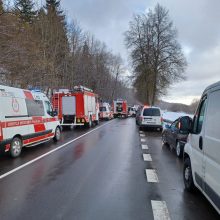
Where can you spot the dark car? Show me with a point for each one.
(174, 137)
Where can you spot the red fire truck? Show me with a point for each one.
(78, 107)
(120, 108)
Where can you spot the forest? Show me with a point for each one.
(40, 49)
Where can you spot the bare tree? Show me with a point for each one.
(156, 55)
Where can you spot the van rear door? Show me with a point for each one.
(151, 116)
(212, 149)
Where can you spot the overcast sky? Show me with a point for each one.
(197, 22)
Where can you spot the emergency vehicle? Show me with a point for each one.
(131, 111)
(105, 111)
(76, 108)
(120, 108)
(26, 119)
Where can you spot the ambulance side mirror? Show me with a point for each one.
(52, 113)
(55, 113)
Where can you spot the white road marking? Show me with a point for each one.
(160, 210)
(49, 152)
(147, 157)
(144, 147)
(151, 176)
(142, 135)
(143, 140)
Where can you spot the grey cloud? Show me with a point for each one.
(197, 22)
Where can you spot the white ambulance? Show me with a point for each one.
(26, 119)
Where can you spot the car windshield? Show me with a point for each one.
(151, 112)
(102, 109)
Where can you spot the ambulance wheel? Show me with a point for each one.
(57, 135)
(16, 147)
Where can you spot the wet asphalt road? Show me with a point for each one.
(98, 176)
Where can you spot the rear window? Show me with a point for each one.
(119, 107)
(102, 109)
(151, 112)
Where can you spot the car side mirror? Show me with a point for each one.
(185, 125)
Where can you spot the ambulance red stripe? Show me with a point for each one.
(10, 124)
(37, 139)
(28, 95)
(39, 127)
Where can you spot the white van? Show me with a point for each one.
(26, 119)
(149, 117)
(202, 151)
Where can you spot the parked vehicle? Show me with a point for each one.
(120, 108)
(136, 107)
(76, 108)
(202, 150)
(174, 137)
(131, 111)
(105, 112)
(26, 119)
(149, 117)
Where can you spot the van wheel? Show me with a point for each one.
(16, 147)
(179, 150)
(187, 176)
(57, 135)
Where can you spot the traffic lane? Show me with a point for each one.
(100, 176)
(169, 168)
(29, 153)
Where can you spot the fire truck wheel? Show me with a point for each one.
(97, 122)
(16, 147)
(57, 135)
(71, 127)
(90, 123)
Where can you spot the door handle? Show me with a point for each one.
(200, 143)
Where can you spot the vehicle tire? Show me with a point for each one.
(90, 122)
(179, 149)
(16, 147)
(187, 176)
(71, 127)
(96, 122)
(164, 139)
(57, 134)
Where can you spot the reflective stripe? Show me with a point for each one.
(9, 124)
(37, 139)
